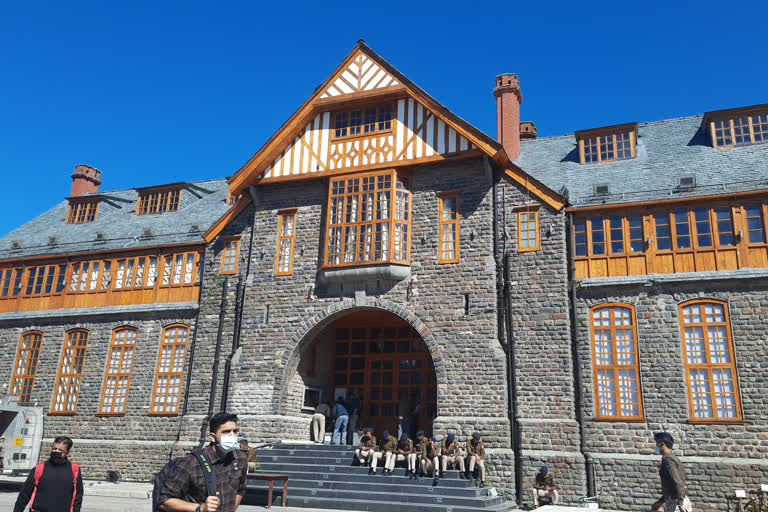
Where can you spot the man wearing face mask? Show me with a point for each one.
(55, 485)
(188, 480)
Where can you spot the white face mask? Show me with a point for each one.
(227, 443)
(657, 450)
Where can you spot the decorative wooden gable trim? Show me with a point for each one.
(225, 219)
(361, 74)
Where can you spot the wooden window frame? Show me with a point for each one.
(533, 209)
(117, 371)
(709, 365)
(174, 345)
(23, 377)
(442, 196)
(612, 132)
(730, 119)
(80, 212)
(376, 132)
(158, 200)
(615, 367)
(75, 361)
(391, 221)
(235, 257)
(282, 216)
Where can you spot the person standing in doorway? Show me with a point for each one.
(54, 485)
(322, 412)
(674, 494)
(341, 413)
(354, 406)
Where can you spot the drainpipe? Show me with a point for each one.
(578, 395)
(219, 334)
(496, 254)
(517, 440)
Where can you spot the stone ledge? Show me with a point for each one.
(650, 279)
(683, 458)
(60, 314)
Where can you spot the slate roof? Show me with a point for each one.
(202, 203)
(666, 150)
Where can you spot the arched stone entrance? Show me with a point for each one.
(379, 361)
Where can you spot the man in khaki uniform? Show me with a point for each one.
(476, 456)
(430, 460)
(674, 495)
(404, 451)
(451, 454)
(322, 411)
(420, 448)
(386, 450)
(367, 448)
(544, 485)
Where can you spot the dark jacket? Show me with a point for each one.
(672, 475)
(475, 449)
(405, 447)
(388, 444)
(367, 442)
(54, 492)
(340, 409)
(544, 481)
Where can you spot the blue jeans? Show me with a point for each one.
(341, 425)
(402, 428)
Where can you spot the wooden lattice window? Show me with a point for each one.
(137, 272)
(607, 144)
(363, 121)
(118, 375)
(25, 369)
(158, 201)
(70, 374)
(368, 220)
(169, 374)
(80, 212)
(286, 233)
(740, 130)
(448, 251)
(755, 213)
(528, 229)
(181, 269)
(616, 368)
(229, 255)
(45, 280)
(710, 369)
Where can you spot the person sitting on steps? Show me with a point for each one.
(430, 462)
(367, 448)
(451, 454)
(476, 456)
(544, 485)
(386, 450)
(404, 452)
(421, 449)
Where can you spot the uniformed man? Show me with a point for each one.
(250, 453)
(430, 461)
(544, 485)
(404, 451)
(367, 448)
(386, 450)
(476, 456)
(674, 495)
(421, 449)
(451, 454)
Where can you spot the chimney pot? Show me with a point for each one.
(508, 100)
(527, 130)
(85, 180)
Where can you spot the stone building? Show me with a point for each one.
(380, 248)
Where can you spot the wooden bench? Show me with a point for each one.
(271, 477)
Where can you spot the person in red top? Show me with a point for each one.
(55, 485)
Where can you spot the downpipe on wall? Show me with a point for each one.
(216, 359)
(517, 440)
(578, 399)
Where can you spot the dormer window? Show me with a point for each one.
(607, 144)
(158, 200)
(80, 212)
(362, 121)
(738, 127)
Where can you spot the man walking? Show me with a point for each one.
(341, 413)
(55, 485)
(188, 480)
(674, 495)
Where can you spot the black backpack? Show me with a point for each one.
(165, 473)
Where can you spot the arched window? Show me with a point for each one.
(26, 366)
(70, 372)
(170, 370)
(710, 370)
(117, 378)
(615, 363)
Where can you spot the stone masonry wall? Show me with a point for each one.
(718, 457)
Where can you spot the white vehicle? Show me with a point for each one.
(21, 432)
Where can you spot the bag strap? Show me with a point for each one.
(75, 474)
(210, 477)
(38, 475)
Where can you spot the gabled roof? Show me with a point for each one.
(202, 202)
(666, 151)
(352, 80)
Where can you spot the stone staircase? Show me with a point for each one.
(324, 476)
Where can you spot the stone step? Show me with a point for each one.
(369, 505)
(398, 477)
(383, 484)
(320, 470)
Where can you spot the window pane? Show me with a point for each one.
(617, 234)
(703, 230)
(663, 233)
(724, 226)
(580, 237)
(755, 227)
(682, 229)
(598, 235)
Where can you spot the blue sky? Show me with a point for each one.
(157, 92)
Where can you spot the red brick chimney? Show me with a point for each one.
(85, 180)
(508, 100)
(527, 130)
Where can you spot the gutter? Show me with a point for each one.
(578, 400)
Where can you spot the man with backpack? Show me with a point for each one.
(54, 485)
(209, 480)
